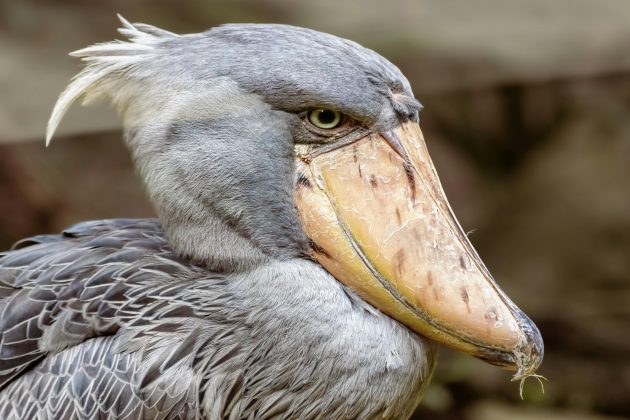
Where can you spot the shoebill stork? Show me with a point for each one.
(303, 262)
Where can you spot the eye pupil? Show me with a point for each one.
(325, 118)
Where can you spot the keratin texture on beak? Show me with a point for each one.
(380, 223)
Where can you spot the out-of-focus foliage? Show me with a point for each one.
(526, 115)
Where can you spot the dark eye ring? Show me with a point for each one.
(325, 118)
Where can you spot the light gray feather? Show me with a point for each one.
(168, 337)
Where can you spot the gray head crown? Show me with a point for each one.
(292, 68)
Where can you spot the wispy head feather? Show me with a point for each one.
(106, 61)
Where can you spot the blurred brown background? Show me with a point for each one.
(527, 118)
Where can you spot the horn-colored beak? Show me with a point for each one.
(380, 223)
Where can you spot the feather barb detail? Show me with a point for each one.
(106, 65)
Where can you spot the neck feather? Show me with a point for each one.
(204, 237)
(220, 176)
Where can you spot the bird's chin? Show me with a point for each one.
(380, 223)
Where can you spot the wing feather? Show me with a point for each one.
(59, 291)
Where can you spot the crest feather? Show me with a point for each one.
(104, 62)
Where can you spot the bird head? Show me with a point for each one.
(262, 142)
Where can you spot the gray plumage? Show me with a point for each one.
(214, 311)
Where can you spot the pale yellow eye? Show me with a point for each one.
(325, 118)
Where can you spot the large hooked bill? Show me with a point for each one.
(380, 223)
